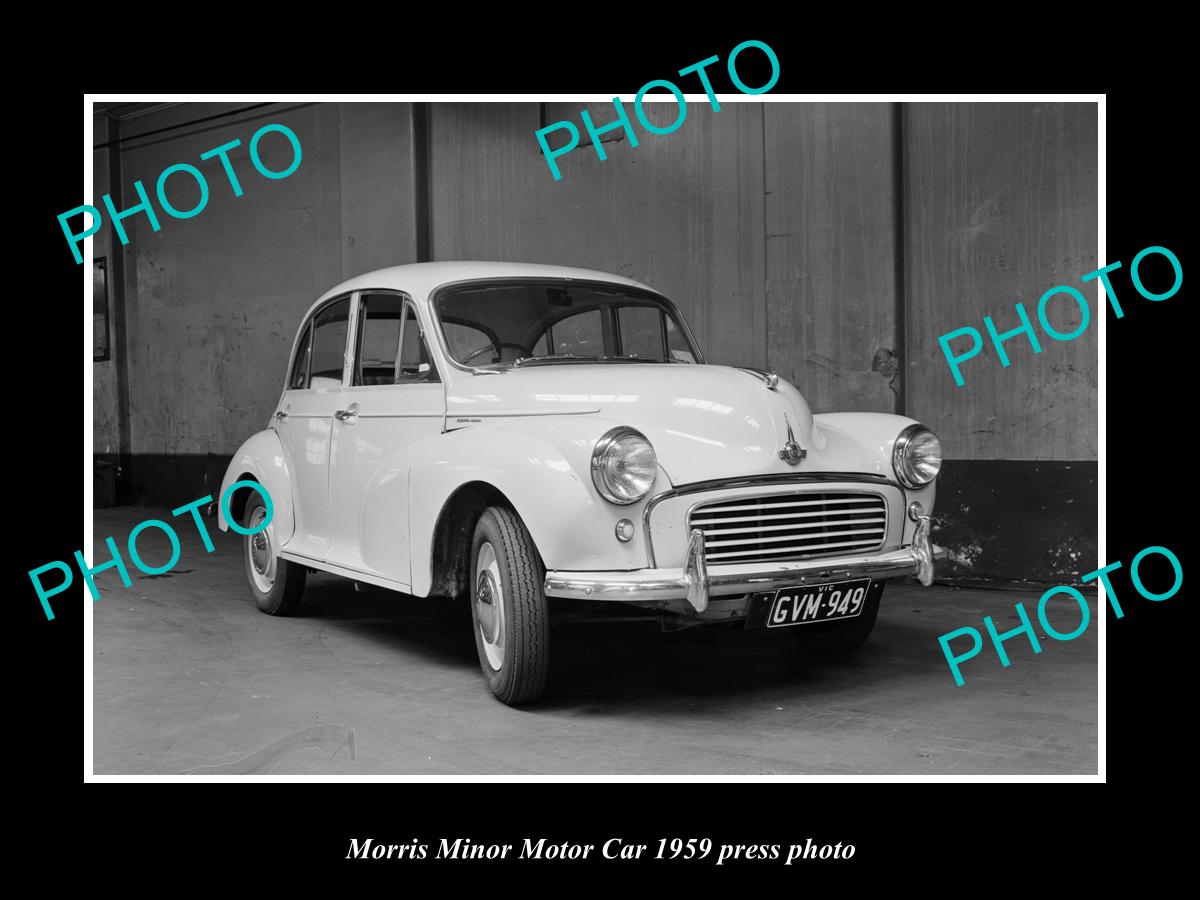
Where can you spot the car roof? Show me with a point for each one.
(420, 279)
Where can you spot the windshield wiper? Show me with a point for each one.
(571, 357)
(554, 357)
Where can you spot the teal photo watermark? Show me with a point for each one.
(1061, 293)
(74, 239)
(623, 122)
(116, 562)
(975, 637)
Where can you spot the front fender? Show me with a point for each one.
(865, 435)
(874, 435)
(262, 458)
(543, 467)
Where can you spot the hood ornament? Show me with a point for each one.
(769, 379)
(792, 453)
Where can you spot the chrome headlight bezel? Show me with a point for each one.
(903, 462)
(600, 473)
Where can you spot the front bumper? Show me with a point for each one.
(696, 582)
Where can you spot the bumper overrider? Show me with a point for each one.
(696, 581)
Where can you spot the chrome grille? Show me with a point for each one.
(791, 526)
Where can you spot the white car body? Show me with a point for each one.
(378, 483)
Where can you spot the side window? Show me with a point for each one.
(676, 344)
(415, 364)
(298, 380)
(329, 345)
(379, 317)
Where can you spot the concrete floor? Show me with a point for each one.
(191, 678)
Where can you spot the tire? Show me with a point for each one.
(833, 639)
(508, 607)
(276, 584)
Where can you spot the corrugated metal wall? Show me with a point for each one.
(1000, 206)
(212, 302)
(830, 239)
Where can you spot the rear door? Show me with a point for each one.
(304, 423)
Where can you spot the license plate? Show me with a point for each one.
(818, 603)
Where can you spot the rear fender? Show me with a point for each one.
(261, 458)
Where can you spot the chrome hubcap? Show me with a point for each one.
(486, 608)
(258, 551)
(489, 605)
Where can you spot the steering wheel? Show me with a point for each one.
(496, 349)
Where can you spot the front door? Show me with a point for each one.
(389, 413)
(304, 423)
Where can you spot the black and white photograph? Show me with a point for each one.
(720, 435)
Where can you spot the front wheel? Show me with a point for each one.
(508, 607)
(276, 584)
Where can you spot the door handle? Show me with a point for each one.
(348, 415)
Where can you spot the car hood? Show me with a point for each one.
(705, 422)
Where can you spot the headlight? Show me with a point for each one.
(623, 466)
(917, 457)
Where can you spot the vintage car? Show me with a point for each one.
(514, 434)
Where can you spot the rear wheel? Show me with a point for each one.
(508, 607)
(832, 639)
(277, 585)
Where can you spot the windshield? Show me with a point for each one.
(541, 322)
